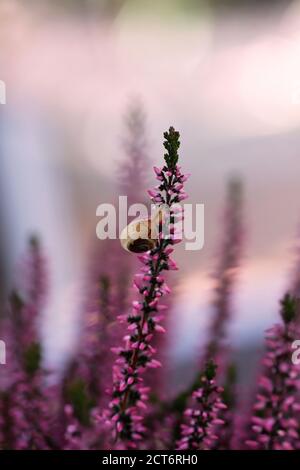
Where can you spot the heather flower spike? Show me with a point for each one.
(27, 419)
(129, 395)
(275, 420)
(199, 432)
(135, 165)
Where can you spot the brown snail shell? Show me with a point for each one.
(139, 236)
(141, 245)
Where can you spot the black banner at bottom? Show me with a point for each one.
(138, 459)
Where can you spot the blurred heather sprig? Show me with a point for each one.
(227, 271)
(129, 393)
(225, 283)
(26, 423)
(135, 166)
(199, 432)
(35, 275)
(107, 293)
(276, 412)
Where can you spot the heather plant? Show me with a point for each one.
(129, 393)
(276, 411)
(106, 294)
(226, 273)
(26, 413)
(225, 284)
(199, 432)
(134, 167)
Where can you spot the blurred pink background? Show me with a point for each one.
(230, 83)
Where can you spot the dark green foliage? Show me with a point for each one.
(210, 370)
(229, 385)
(171, 144)
(288, 308)
(77, 395)
(32, 358)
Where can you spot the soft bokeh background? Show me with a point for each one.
(226, 74)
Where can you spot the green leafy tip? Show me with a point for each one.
(78, 395)
(210, 370)
(288, 308)
(32, 358)
(171, 144)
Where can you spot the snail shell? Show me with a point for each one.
(136, 237)
(141, 235)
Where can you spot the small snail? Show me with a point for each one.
(141, 235)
